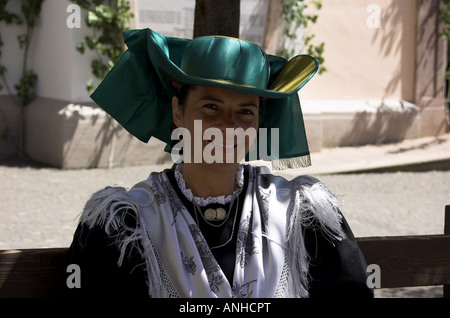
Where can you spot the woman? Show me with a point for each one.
(211, 226)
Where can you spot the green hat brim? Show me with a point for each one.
(286, 77)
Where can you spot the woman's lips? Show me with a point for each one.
(224, 147)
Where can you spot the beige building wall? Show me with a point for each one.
(385, 78)
(369, 50)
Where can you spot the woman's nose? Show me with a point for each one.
(229, 120)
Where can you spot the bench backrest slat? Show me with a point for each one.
(404, 261)
(409, 260)
(32, 272)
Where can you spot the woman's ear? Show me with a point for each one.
(177, 112)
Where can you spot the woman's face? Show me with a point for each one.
(234, 116)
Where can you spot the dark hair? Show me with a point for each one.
(182, 95)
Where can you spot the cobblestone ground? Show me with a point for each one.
(39, 206)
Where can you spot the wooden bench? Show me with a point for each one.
(404, 261)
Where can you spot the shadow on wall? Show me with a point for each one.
(386, 125)
(105, 142)
(396, 35)
(90, 136)
(428, 38)
(115, 143)
(92, 139)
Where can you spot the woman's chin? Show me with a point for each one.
(225, 156)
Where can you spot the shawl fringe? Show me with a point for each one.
(291, 163)
(312, 205)
(108, 208)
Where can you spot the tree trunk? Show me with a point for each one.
(217, 17)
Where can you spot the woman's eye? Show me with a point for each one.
(247, 112)
(210, 106)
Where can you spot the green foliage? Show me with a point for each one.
(8, 18)
(295, 15)
(445, 34)
(31, 10)
(108, 19)
(444, 12)
(26, 88)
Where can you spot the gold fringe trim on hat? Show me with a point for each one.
(291, 163)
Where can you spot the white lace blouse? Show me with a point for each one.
(209, 200)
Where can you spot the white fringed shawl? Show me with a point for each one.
(108, 209)
(310, 204)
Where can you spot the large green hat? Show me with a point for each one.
(137, 92)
